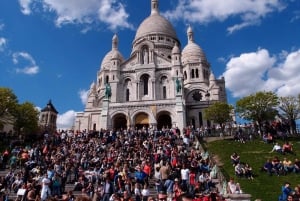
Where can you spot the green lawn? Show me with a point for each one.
(265, 187)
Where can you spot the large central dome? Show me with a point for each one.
(155, 24)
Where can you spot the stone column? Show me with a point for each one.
(104, 114)
(180, 110)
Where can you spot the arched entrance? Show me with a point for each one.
(120, 122)
(141, 120)
(164, 120)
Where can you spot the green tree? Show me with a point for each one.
(8, 104)
(289, 108)
(258, 107)
(26, 119)
(220, 113)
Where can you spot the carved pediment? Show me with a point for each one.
(162, 62)
(129, 64)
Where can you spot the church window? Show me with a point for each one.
(106, 79)
(145, 80)
(176, 72)
(161, 38)
(113, 77)
(152, 38)
(127, 94)
(164, 92)
(197, 73)
(193, 73)
(184, 75)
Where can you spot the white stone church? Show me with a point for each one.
(161, 84)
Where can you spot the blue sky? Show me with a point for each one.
(52, 49)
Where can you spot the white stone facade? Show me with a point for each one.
(157, 86)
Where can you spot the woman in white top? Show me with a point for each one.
(145, 193)
(45, 192)
(157, 175)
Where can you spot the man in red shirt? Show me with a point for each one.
(147, 170)
(287, 148)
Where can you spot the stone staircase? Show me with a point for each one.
(13, 196)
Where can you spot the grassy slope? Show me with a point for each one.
(255, 153)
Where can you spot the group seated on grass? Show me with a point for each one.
(277, 167)
(241, 169)
(286, 148)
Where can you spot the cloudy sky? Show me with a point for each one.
(52, 49)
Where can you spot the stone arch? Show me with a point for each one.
(142, 117)
(119, 120)
(189, 93)
(127, 89)
(138, 48)
(144, 84)
(142, 120)
(145, 54)
(164, 120)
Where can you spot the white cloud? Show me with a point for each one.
(258, 71)
(85, 12)
(29, 70)
(66, 120)
(83, 94)
(113, 14)
(286, 76)
(242, 25)
(25, 6)
(30, 65)
(2, 44)
(205, 11)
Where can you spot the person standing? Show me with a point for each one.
(108, 189)
(285, 191)
(45, 192)
(184, 172)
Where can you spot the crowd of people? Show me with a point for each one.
(111, 165)
(126, 165)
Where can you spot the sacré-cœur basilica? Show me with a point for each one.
(162, 84)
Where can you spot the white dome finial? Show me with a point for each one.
(115, 41)
(154, 7)
(190, 34)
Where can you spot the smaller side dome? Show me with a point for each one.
(192, 52)
(113, 54)
(212, 76)
(176, 49)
